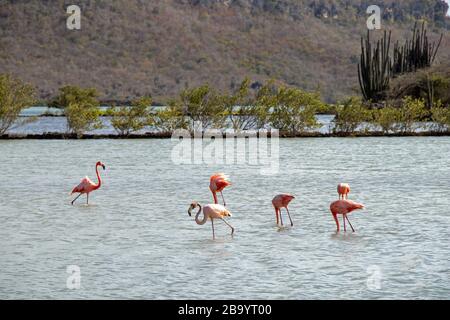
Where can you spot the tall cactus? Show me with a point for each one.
(416, 53)
(374, 69)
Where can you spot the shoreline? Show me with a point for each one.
(162, 135)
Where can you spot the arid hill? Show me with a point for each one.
(127, 48)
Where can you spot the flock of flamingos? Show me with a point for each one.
(218, 182)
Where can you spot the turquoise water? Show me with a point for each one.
(136, 240)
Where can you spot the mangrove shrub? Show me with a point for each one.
(411, 112)
(127, 120)
(204, 106)
(241, 108)
(14, 97)
(295, 110)
(80, 108)
(169, 119)
(440, 117)
(387, 118)
(350, 114)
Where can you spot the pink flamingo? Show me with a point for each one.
(343, 190)
(86, 186)
(282, 201)
(217, 183)
(344, 207)
(211, 211)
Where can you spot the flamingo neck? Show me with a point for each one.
(197, 220)
(98, 178)
(215, 197)
(337, 222)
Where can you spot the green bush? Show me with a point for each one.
(203, 105)
(404, 119)
(127, 120)
(14, 97)
(440, 117)
(295, 110)
(169, 119)
(80, 107)
(411, 112)
(242, 110)
(350, 114)
(265, 100)
(387, 118)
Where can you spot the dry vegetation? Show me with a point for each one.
(130, 48)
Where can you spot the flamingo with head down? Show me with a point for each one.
(344, 207)
(217, 183)
(86, 186)
(282, 201)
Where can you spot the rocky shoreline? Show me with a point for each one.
(168, 135)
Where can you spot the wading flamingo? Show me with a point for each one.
(86, 186)
(217, 183)
(282, 201)
(343, 190)
(344, 207)
(211, 211)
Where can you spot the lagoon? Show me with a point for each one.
(136, 240)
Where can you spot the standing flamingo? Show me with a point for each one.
(343, 190)
(282, 201)
(86, 186)
(211, 211)
(217, 183)
(344, 207)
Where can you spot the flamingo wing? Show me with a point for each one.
(345, 206)
(282, 200)
(83, 186)
(219, 210)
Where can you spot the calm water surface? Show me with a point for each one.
(47, 124)
(135, 239)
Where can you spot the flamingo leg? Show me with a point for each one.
(232, 229)
(281, 217)
(212, 224)
(343, 219)
(87, 198)
(350, 223)
(337, 222)
(76, 198)
(224, 204)
(289, 215)
(276, 214)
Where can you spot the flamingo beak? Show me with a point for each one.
(190, 212)
(103, 166)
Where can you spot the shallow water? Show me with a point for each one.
(135, 239)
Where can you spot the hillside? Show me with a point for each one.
(127, 48)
